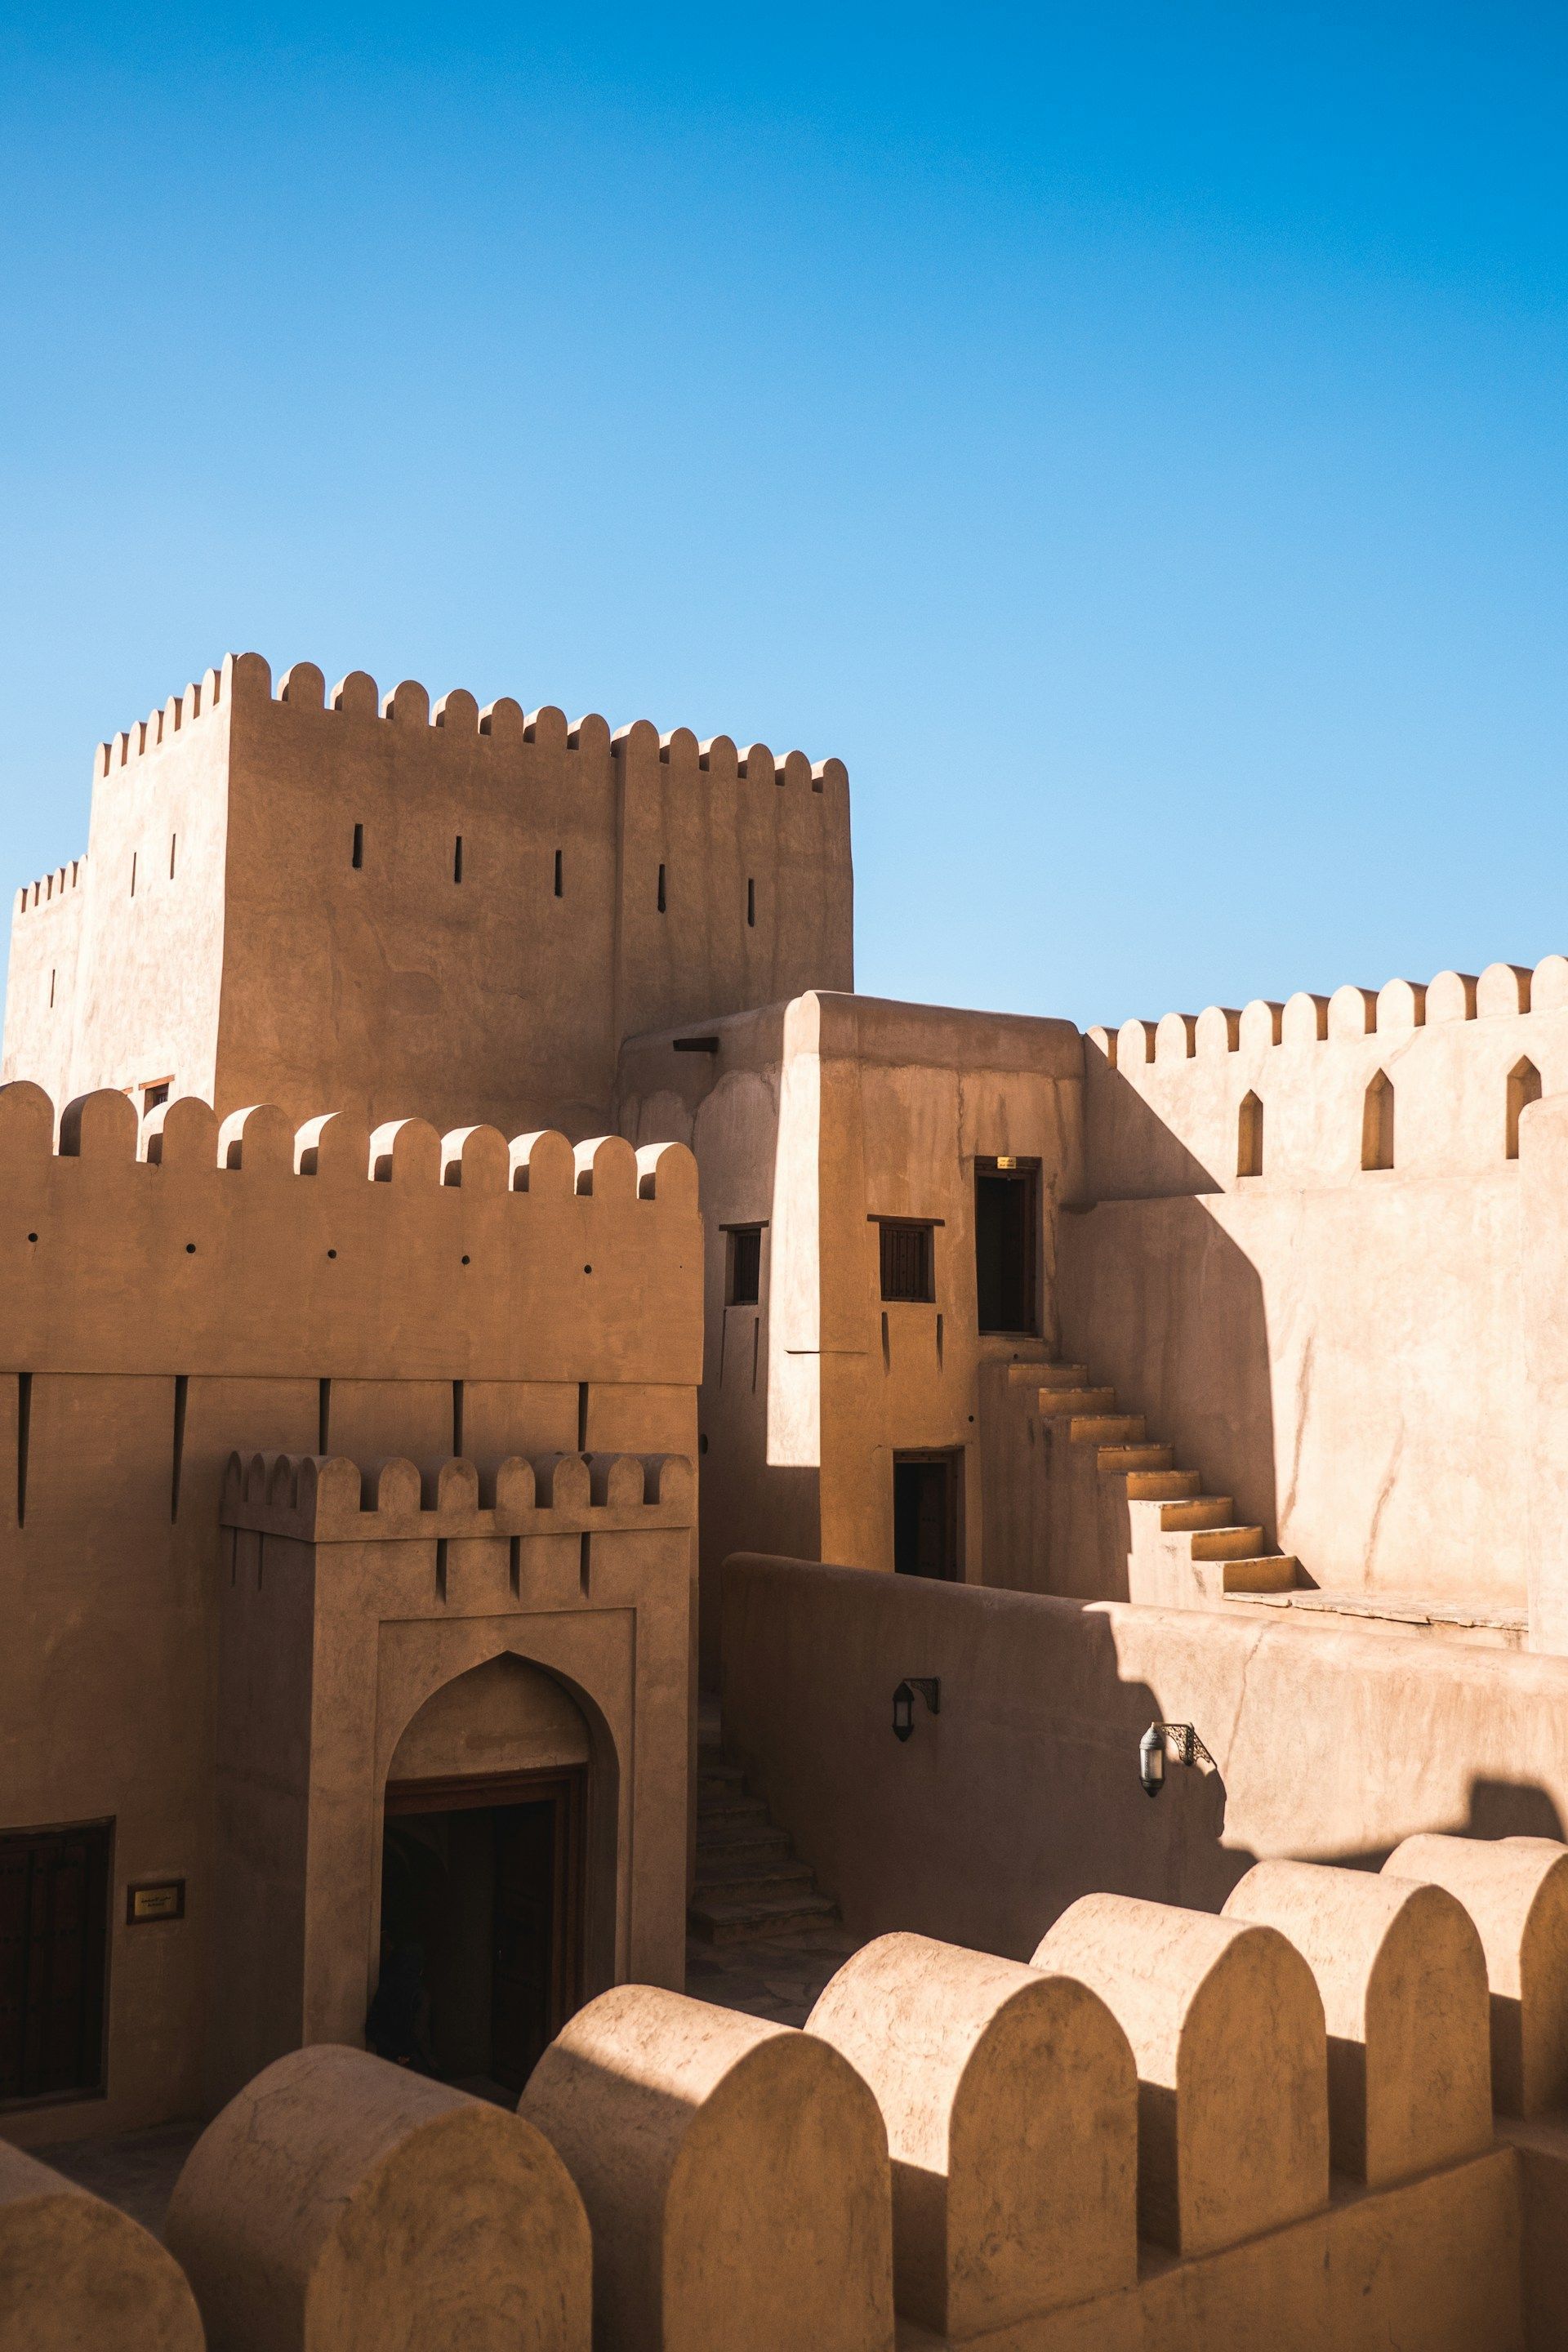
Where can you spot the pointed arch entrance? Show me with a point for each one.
(483, 1877)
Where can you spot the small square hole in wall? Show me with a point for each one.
(158, 1092)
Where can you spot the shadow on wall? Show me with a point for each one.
(1211, 1403)
(1023, 1793)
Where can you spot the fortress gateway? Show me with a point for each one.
(476, 1278)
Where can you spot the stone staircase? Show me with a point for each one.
(1187, 1547)
(749, 1883)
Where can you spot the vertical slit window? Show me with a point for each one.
(558, 891)
(174, 841)
(24, 1433)
(182, 1386)
(323, 1414)
(457, 859)
(661, 900)
(750, 902)
(133, 874)
(51, 991)
(358, 858)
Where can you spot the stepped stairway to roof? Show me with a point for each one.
(749, 1883)
(1212, 1553)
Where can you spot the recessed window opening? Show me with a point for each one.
(1523, 1088)
(51, 991)
(457, 859)
(359, 847)
(743, 1286)
(661, 904)
(173, 843)
(1377, 1123)
(158, 1092)
(750, 902)
(909, 1259)
(133, 874)
(558, 891)
(1249, 1137)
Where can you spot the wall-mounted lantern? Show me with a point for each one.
(929, 1689)
(1178, 1740)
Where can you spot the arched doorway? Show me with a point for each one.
(482, 1877)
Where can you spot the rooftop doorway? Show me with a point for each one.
(1006, 1247)
(926, 1514)
(481, 1912)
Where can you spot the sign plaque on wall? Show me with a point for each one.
(162, 1898)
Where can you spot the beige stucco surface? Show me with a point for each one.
(1010, 2101)
(174, 1309)
(1023, 1793)
(267, 966)
(78, 2275)
(735, 2176)
(1227, 2028)
(1403, 1983)
(813, 1119)
(339, 2204)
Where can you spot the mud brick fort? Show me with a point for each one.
(541, 1434)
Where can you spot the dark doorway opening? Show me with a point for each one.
(482, 1899)
(925, 1514)
(54, 1946)
(1006, 1226)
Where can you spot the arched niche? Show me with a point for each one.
(475, 1772)
(1249, 1137)
(1523, 1088)
(1377, 1122)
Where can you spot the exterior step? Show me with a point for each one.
(1136, 1457)
(718, 1920)
(1058, 1404)
(1227, 1543)
(750, 1837)
(1197, 1511)
(1053, 1376)
(746, 1878)
(1108, 1429)
(1274, 1572)
(1164, 1486)
(733, 1805)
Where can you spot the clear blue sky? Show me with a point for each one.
(1133, 438)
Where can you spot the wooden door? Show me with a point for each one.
(54, 1922)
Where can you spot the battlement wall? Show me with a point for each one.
(1127, 2138)
(1462, 1055)
(183, 1288)
(406, 909)
(41, 977)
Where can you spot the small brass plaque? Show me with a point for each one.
(1008, 1161)
(163, 1900)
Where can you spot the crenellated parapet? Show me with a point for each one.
(53, 887)
(407, 904)
(1422, 1079)
(1125, 2142)
(326, 1247)
(328, 1499)
(455, 721)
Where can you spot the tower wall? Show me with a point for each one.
(301, 897)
